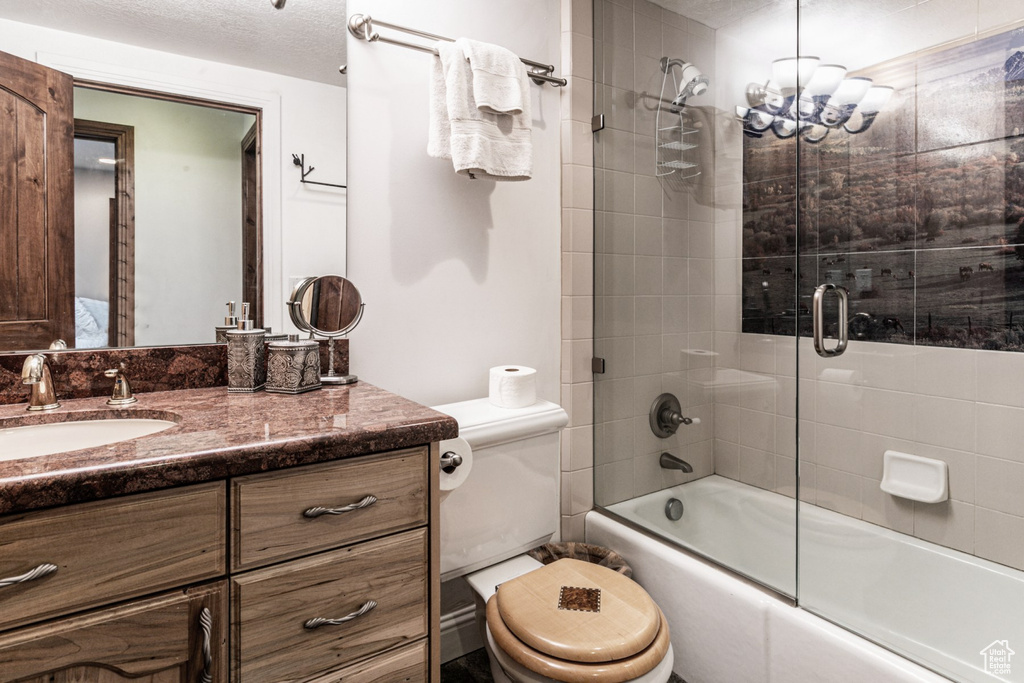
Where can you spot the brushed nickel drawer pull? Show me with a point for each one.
(206, 624)
(31, 575)
(317, 511)
(317, 622)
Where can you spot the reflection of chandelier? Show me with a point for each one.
(806, 97)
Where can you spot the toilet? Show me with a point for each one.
(569, 620)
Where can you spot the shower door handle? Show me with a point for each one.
(819, 323)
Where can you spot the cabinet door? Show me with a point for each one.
(158, 640)
(37, 209)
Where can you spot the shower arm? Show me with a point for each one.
(653, 98)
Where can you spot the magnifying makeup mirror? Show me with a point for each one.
(327, 306)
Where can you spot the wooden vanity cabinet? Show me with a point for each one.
(348, 541)
(168, 607)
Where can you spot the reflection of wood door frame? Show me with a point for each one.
(122, 227)
(252, 225)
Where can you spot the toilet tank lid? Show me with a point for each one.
(486, 581)
(483, 424)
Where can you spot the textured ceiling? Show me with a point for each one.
(718, 13)
(306, 39)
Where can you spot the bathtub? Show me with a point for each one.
(877, 582)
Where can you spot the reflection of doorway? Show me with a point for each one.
(121, 241)
(252, 233)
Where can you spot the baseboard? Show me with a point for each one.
(459, 633)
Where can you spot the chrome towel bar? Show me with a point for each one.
(363, 27)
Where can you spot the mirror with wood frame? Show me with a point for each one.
(126, 218)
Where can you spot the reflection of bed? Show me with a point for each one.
(91, 319)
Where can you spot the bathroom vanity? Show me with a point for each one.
(262, 538)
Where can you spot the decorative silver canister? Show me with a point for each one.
(293, 366)
(247, 367)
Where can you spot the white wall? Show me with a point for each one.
(457, 275)
(94, 189)
(304, 227)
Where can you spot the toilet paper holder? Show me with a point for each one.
(450, 461)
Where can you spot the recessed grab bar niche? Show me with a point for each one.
(364, 27)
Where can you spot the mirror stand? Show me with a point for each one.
(330, 377)
(329, 306)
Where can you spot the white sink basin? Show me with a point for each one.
(57, 437)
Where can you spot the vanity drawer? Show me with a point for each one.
(406, 665)
(270, 607)
(267, 509)
(110, 550)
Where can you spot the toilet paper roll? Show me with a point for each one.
(457, 478)
(513, 386)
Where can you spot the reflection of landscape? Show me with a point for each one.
(921, 217)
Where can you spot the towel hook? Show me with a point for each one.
(300, 161)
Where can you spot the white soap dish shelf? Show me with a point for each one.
(913, 477)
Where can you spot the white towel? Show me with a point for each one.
(480, 144)
(499, 77)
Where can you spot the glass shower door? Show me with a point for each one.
(695, 410)
(911, 182)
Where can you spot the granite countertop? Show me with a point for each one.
(217, 435)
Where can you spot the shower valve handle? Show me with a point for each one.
(677, 419)
(666, 416)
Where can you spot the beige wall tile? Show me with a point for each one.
(727, 459)
(999, 486)
(885, 510)
(614, 482)
(839, 491)
(950, 524)
(999, 537)
(757, 467)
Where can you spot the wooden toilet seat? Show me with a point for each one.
(575, 621)
(577, 672)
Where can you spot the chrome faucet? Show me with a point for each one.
(122, 394)
(671, 462)
(36, 373)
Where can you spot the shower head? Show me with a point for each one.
(278, 4)
(692, 81)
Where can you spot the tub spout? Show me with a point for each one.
(671, 462)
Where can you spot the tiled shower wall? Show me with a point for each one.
(643, 311)
(654, 251)
(965, 407)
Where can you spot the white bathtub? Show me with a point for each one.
(938, 606)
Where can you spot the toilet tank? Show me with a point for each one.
(509, 502)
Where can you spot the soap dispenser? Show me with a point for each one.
(247, 368)
(230, 323)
